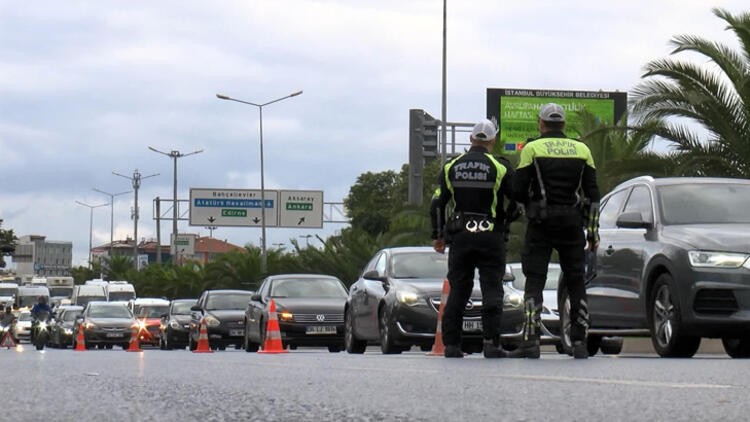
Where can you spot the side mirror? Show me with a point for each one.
(196, 308)
(255, 297)
(373, 275)
(164, 316)
(633, 220)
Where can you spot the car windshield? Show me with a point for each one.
(121, 296)
(553, 275)
(420, 265)
(152, 311)
(319, 287)
(227, 301)
(109, 312)
(8, 291)
(69, 315)
(182, 308)
(24, 317)
(60, 291)
(705, 203)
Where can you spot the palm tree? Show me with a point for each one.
(621, 152)
(717, 97)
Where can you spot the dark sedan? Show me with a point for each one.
(61, 329)
(395, 303)
(175, 325)
(105, 324)
(224, 313)
(673, 263)
(309, 308)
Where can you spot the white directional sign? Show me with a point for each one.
(301, 208)
(232, 207)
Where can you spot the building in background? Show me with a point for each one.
(190, 247)
(36, 255)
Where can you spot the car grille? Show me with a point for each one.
(473, 310)
(715, 302)
(335, 318)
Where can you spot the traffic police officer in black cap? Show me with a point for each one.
(475, 182)
(556, 181)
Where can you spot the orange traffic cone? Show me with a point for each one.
(135, 345)
(273, 343)
(203, 346)
(80, 341)
(438, 348)
(8, 340)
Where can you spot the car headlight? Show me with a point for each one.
(88, 325)
(706, 259)
(512, 300)
(175, 325)
(286, 316)
(68, 331)
(211, 321)
(407, 297)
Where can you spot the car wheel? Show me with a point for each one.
(387, 345)
(611, 345)
(191, 343)
(566, 345)
(666, 323)
(560, 349)
(351, 342)
(331, 349)
(248, 345)
(738, 348)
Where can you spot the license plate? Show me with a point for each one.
(320, 329)
(114, 335)
(471, 325)
(236, 333)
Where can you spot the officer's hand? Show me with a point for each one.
(438, 245)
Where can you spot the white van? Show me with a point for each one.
(83, 294)
(60, 288)
(120, 291)
(8, 293)
(28, 296)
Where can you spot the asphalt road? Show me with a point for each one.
(314, 385)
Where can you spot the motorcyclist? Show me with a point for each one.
(8, 320)
(40, 311)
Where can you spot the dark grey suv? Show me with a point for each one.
(674, 264)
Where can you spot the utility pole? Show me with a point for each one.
(174, 155)
(136, 183)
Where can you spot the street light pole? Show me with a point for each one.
(136, 182)
(174, 155)
(91, 223)
(263, 257)
(111, 216)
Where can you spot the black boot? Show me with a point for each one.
(453, 351)
(530, 346)
(491, 351)
(580, 351)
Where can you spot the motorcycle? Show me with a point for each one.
(40, 331)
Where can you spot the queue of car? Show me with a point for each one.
(673, 264)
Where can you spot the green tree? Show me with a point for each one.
(715, 95)
(373, 199)
(621, 152)
(117, 267)
(7, 244)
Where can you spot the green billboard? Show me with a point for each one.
(516, 111)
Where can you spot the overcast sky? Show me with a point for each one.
(87, 86)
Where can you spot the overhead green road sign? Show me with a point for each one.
(300, 209)
(232, 207)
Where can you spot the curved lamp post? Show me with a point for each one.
(263, 259)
